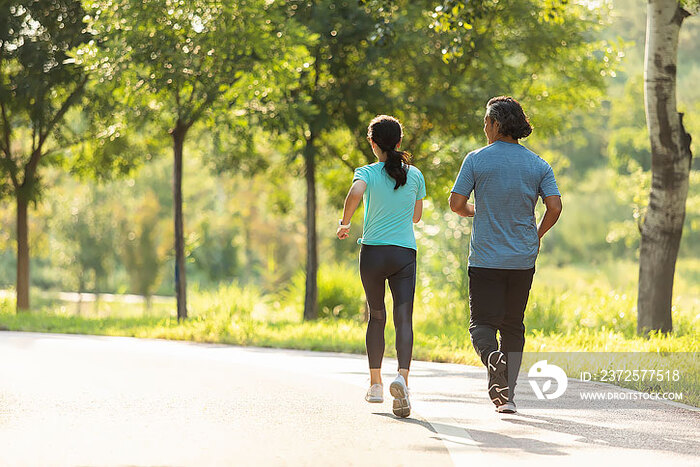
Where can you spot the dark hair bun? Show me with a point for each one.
(510, 116)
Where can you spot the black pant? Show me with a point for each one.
(379, 263)
(497, 300)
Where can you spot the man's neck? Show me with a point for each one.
(505, 139)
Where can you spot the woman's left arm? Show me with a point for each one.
(352, 201)
(418, 211)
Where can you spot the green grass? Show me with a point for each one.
(570, 310)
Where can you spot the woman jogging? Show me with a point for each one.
(507, 179)
(392, 191)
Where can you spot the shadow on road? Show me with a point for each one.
(609, 436)
(484, 440)
(498, 442)
(412, 421)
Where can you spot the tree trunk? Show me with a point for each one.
(96, 294)
(96, 306)
(248, 238)
(670, 160)
(81, 286)
(311, 297)
(180, 279)
(22, 255)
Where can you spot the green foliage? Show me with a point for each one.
(88, 244)
(444, 247)
(692, 6)
(106, 145)
(230, 301)
(629, 139)
(341, 84)
(202, 51)
(340, 293)
(39, 83)
(142, 247)
(446, 64)
(215, 254)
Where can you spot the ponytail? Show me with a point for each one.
(396, 166)
(386, 132)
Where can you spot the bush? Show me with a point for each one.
(228, 301)
(340, 293)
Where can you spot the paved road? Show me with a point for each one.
(85, 400)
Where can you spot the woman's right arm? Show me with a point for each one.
(352, 201)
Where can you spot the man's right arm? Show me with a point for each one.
(463, 187)
(458, 204)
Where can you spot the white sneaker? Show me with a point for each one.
(398, 389)
(375, 394)
(508, 407)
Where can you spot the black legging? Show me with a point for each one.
(379, 263)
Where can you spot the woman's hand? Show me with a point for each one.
(343, 232)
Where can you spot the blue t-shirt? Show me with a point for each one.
(506, 179)
(389, 212)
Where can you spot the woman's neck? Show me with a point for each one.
(381, 156)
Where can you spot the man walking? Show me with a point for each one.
(507, 180)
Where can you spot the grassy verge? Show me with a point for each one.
(569, 311)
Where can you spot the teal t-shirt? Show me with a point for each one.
(389, 212)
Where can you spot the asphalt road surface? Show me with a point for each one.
(86, 400)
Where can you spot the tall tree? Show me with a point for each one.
(338, 82)
(39, 83)
(176, 60)
(670, 166)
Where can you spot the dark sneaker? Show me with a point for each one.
(498, 378)
(398, 389)
(508, 407)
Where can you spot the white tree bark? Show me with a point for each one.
(671, 157)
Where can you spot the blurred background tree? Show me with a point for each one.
(39, 83)
(174, 61)
(87, 233)
(144, 247)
